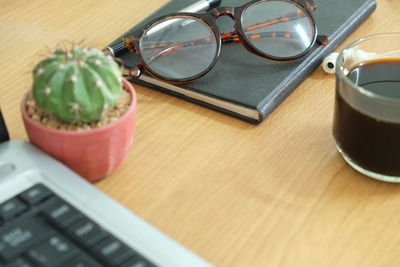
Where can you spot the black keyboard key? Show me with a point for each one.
(55, 251)
(113, 252)
(138, 262)
(62, 214)
(87, 232)
(21, 262)
(12, 208)
(83, 261)
(19, 236)
(35, 194)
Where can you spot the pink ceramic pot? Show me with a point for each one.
(93, 154)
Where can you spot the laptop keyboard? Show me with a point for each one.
(38, 228)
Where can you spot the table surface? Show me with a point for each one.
(275, 194)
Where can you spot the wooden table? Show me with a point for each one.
(276, 194)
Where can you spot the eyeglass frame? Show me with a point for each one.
(209, 19)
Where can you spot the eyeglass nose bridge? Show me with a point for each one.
(223, 11)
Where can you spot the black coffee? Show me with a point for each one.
(371, 143)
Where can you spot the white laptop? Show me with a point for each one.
(49, 216)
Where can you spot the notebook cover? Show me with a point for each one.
(246, 80)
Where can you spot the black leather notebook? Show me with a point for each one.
(249, 87)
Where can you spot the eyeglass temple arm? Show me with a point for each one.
(233, 38)
(309, 4)
(169, 48)
(293, 16)
(229, 37)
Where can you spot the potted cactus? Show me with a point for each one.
(81, 111)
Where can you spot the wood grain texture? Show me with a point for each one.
(276, 194)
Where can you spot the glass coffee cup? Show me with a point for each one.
(366, 126)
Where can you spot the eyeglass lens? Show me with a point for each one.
(278, 28)
(179, 47)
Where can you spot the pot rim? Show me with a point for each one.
(132, 107)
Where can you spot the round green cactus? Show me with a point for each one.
(77, 86)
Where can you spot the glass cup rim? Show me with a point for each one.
(339, 70)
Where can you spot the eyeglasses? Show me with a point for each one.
(182, 47)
